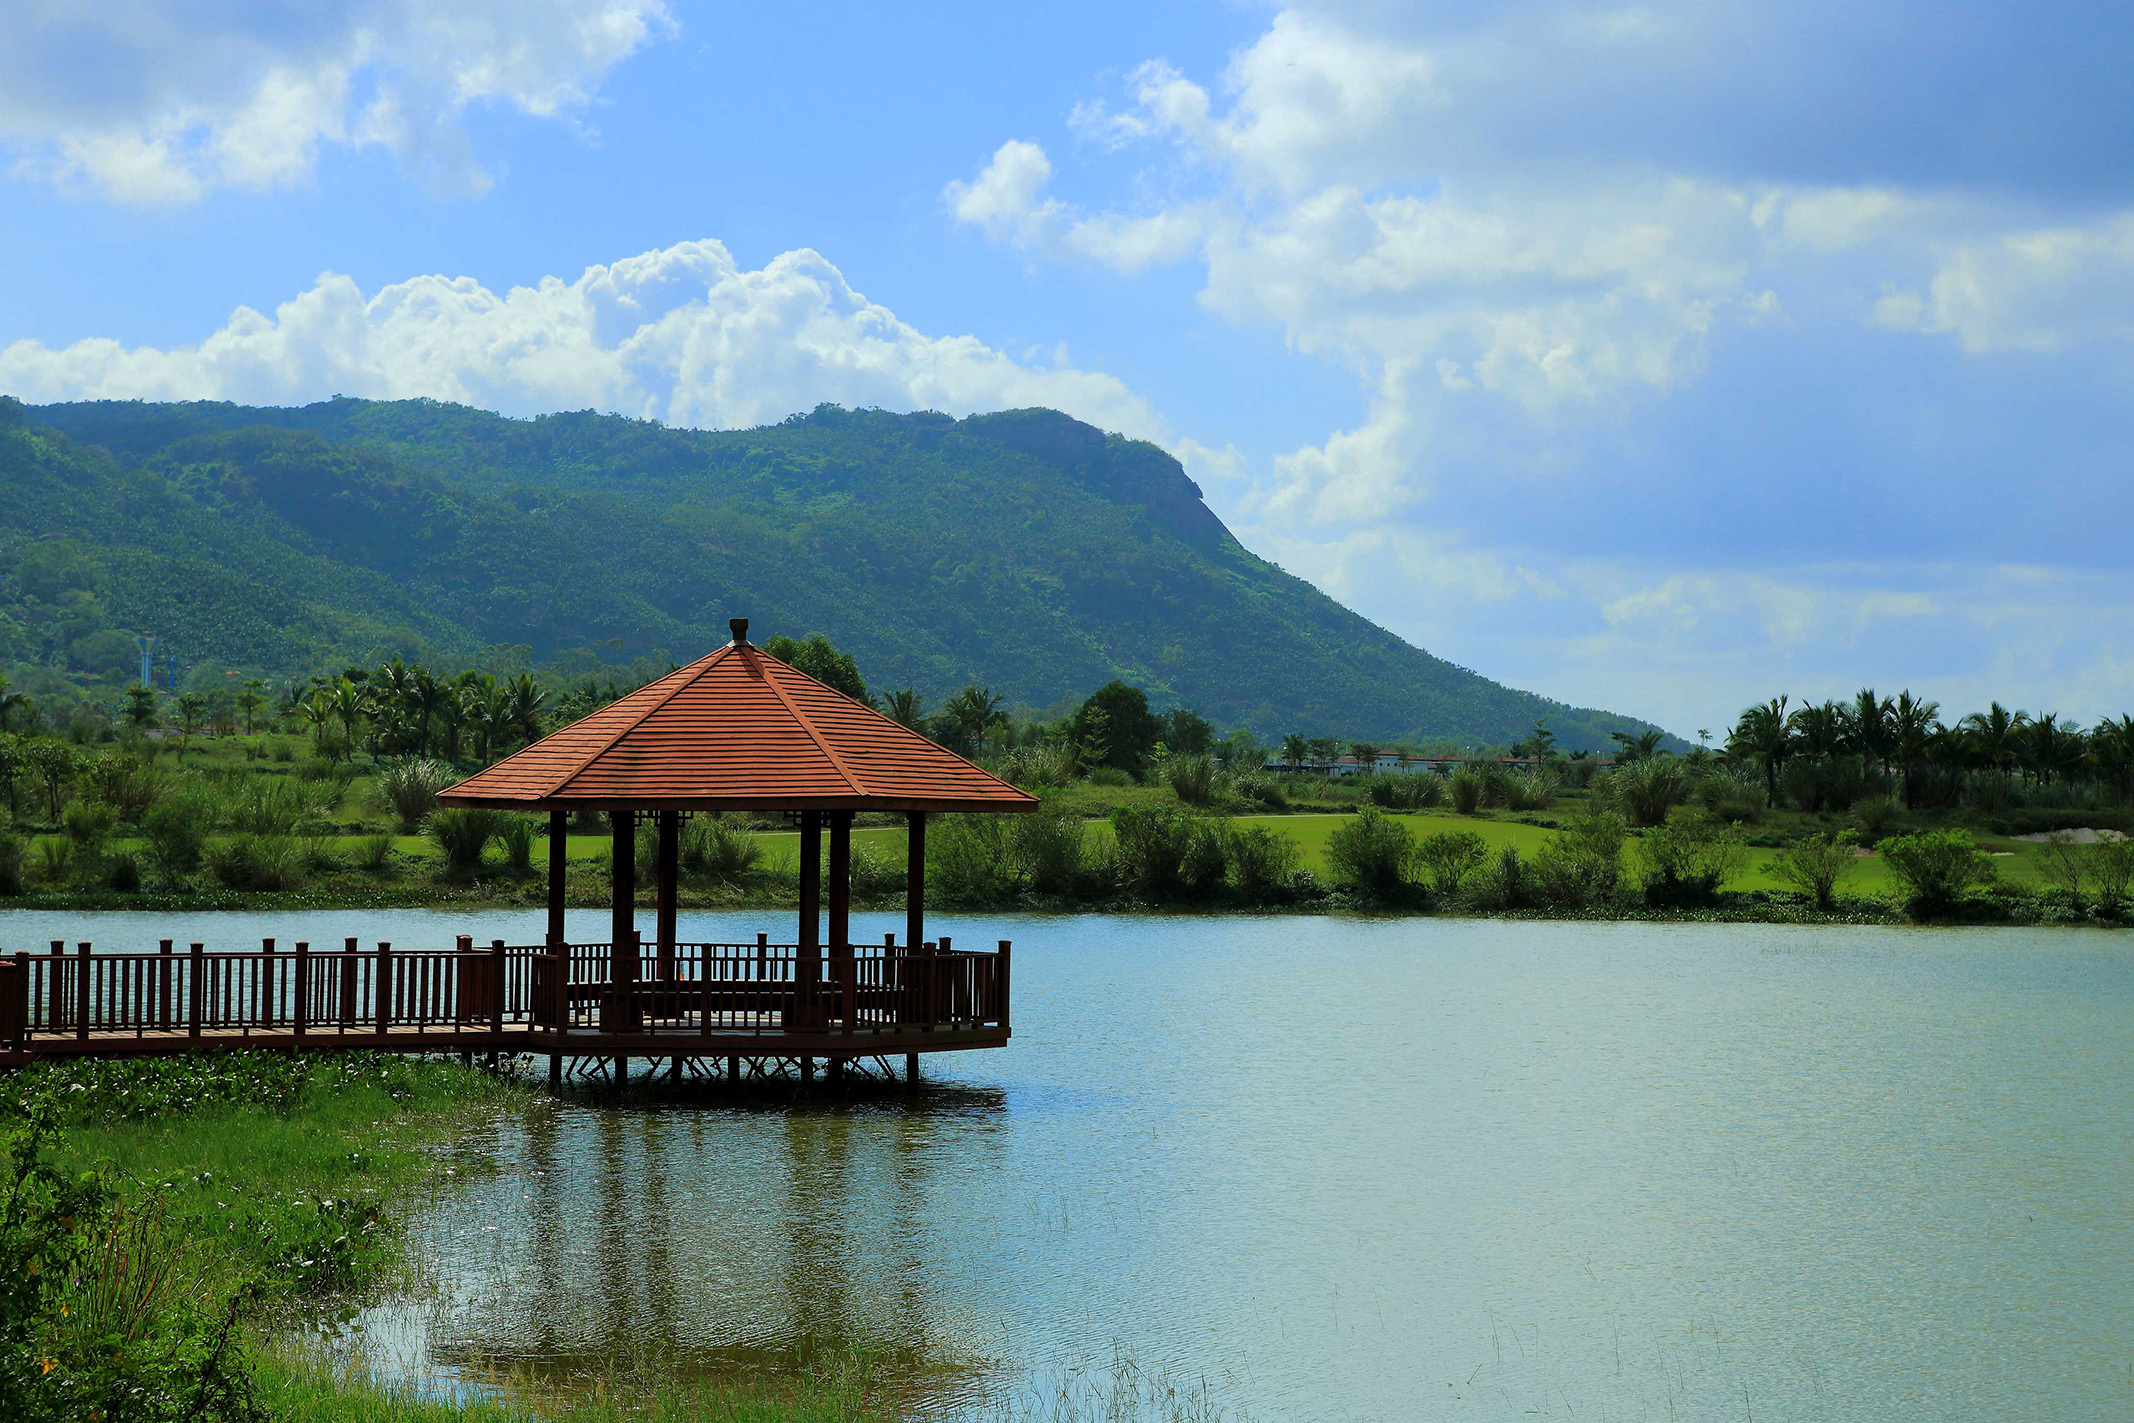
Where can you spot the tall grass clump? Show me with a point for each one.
(1531, 789)
(1467, 789)
(1259, 861)
(374, 853)
(1037, 767)
(1936, 870)
(177, 834)
(1050, 848)
(1371, 852)
(1191, 778)
(409, 788)
(14, 855)
(717, 845)
(517, 834)
(248, 861)
(970, 859)
(272, 806)
(1816, 864)
(1689, 858)
(463, 833)
(1501, 883)
(1646, 790)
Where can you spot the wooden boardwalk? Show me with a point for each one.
(735, 1001)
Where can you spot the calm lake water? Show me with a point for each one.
(1331, 1169)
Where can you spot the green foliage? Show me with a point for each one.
(2111, 868)
(464, 833)
(253, 861)
(1260, 862)
(177, 833)
(1405, 791)
(14, 853)
(1583, 866)
(1115, 728)
(717, 845)
(1816, 864)
(1050, 848)
(1874, 815)
(1531, 789)
(1371, 851)
(125, 782)
(1688, 859)
(1503, 882)
(824, 663)
(1036, 767)
(1449, 856)
(1166, 852)
(1191, 777)
(374, 853)
(517, 833)
(1467, 788)
(970, 859)
(409, 788)
(1647, 789)
(88, 826)
(1936, 869)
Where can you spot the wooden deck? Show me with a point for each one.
(759, 1000)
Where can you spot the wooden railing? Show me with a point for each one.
(301, 993)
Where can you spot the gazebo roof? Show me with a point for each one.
(738, 730)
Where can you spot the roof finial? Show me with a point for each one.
(740, 629)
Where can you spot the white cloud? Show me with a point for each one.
(151, 101)
(2037, 290)
(682, 335)
(1004, 199)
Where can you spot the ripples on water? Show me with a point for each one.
(1328, 1169)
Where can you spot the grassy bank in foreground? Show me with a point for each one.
(163, 1222)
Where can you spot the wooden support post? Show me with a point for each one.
(807, 966)
(807, 1068)
(383, 988)
(163, 973)
(915, 883)
(911, 1069)
(669, 873)
(195, 989)
(496, 985)
(559, 844)
(555, 1071)
(620, 1011)
(733, 1067)
(84, 996)
(302, 1016)
(622, 1074)
(1004, 982)
(841, 912)
(348, 970)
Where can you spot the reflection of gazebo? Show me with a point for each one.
(741, 730)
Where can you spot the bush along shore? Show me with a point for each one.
(168, 1223)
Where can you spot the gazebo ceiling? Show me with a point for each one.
(738, 730)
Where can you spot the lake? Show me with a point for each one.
(1315, 1168)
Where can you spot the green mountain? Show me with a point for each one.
(1023, 550)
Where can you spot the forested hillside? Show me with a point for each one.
(1023, 550)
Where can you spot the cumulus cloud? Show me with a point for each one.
(151, 101)
(683, 335)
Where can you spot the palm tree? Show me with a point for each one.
(1762, 735)
(1913, 723)
(1868, 720)
(1993, 733)
(2112, 743)
(907, 709)
(2047, 748)
(1819, 732)
(10, 703)
(969, 714)
(1631, 749)
(527, 699)
(317, 713)
(1295, 750)
(348, 709)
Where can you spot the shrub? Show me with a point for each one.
(517, 834)
(2112, 865)
(1257, 788)
(375, 853)
(249, 861)
(1467, 788)
(1450, 856)
(127, 783)
(177, 831)
(1814, 864)
(1261, 862)
(53, 857)
(1192, 778)
(318, 768)
(271, 807)
(970, 859)
(1502, 883)
(2064, 863)
(1645, 790)
(1050, 849)
(284, 753)
(409, 788)
(1108, 776)
(88, 826)
(1935, 869)
(1035, 767)
(874, 873)
(1582, 865)
(1371, 851)
(14, 851)
(1739, 809)
(714, 844)
(122, 872)
(464, 833)
(1874, 815)
(1165, 851)
(1689, 858)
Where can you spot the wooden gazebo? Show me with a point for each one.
(741, 730)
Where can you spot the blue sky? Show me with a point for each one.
(1661, 357)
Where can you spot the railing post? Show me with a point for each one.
(496, 986)
(348, 984)
(55, 1008)
(15, 1003)
(163, 972)
(384, 987)
(1004, 946)
(266, 1000)
(929, 977)
(83, 996)
(196, 989)
(303, 988)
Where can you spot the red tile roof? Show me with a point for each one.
(737, 730)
